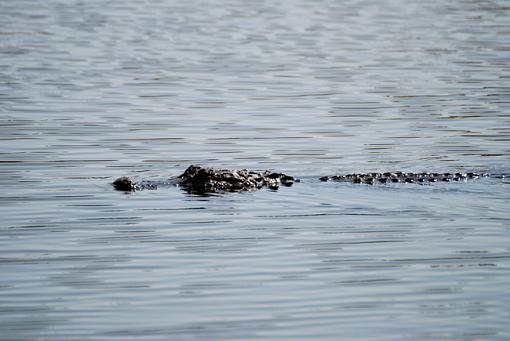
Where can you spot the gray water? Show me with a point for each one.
(92, 90)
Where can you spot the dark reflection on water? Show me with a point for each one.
(93, 90)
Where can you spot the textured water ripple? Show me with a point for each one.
(93, 90)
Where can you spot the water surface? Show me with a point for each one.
(93, 90)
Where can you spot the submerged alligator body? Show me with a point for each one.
(204, 180)
(389, 177)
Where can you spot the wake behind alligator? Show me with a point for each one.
(204, 180)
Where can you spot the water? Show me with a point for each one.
(93, 90)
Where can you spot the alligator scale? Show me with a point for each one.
(203, 180)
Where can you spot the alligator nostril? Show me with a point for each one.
(124, 183)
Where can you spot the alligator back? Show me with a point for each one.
(393, 177)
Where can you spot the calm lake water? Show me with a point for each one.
(93, 90)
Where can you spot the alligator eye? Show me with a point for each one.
(287, 180)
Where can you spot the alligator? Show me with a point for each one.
(204, 180)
